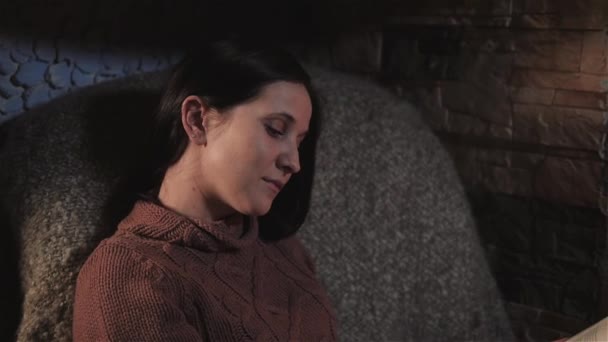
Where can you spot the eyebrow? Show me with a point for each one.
(290, 119)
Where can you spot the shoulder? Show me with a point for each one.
(122, 291)
(116, 249)
(119, 261)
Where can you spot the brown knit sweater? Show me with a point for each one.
(163, 277)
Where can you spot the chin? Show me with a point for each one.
(260, 212)
(256, 209)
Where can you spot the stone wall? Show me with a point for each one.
(516, 90)
(34, 71)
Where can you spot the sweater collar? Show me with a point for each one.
(154, 221)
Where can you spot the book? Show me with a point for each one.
(595, 333)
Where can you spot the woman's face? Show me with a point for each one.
(250, 156)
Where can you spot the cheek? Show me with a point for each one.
(245, 159)
(266, 151)
(242, 158)
(257, 151)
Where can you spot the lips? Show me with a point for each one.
(278, 185)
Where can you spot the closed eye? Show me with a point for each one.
(273, 132)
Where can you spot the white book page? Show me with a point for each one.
(595, 333)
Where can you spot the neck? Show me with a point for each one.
(181, 192)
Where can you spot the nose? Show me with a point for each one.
(290, 161)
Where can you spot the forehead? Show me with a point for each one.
(285, 97)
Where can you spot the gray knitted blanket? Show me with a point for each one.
(390, 228)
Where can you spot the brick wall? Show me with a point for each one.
(517, 92)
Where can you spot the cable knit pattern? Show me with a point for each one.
(164, 277)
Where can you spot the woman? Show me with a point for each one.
(208, 253)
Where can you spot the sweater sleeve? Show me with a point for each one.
(123, 296)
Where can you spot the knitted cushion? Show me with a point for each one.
(389, 228)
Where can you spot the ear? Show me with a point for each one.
(194, 118)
